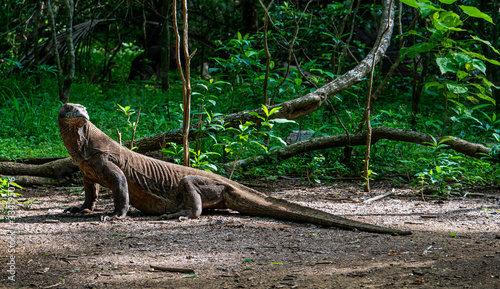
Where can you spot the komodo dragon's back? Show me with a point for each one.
(171, 190)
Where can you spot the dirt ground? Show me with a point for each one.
(455, 243)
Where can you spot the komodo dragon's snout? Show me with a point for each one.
(73, 111)
(173, 191)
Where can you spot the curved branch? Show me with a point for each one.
(378, 133)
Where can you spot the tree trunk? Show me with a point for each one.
(53, 173)
(57, 59)
(68, 80)
(165, 48)
(36, 38)
(185, 76)
(249, 16)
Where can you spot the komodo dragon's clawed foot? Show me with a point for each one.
(76, 210)
(180, 215)
(112, 217)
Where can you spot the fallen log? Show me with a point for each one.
(32, 181)
(54, 173)
(378, 133)
(56, 169)
(33, 161)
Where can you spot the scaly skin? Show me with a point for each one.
(160, 188)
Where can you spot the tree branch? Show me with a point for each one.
(378, 133)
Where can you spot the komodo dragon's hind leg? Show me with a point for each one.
(198, 193)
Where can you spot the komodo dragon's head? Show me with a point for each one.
(81, 138)
(73, 114)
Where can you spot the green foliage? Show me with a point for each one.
(199, 160)
(8, 196)
(249, 134)
(442, 168)
(128, 112)
(461, 65)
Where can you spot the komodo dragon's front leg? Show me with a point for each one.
(91, 193)
(110, 176)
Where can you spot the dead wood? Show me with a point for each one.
(379, 197)
(54, 173)
(34, 161)
(379, 133)
(56, 169)
(31, 181)
(170, 269)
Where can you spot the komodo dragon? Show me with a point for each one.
(160, 188)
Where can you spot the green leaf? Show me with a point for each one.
(257, 115)
(446, 65)
(485, 42)
(412, 3)
(447, 1)
(282, 120)
(446, 21)
(453, 235)
(211, 167)
(485, 97)
(191, 275)
(461, 75)
(479, 65)
(274, 110)
(479, 56)
(456, 88)
(418, 49)
(474, 12)
(250, 53)
(436, 84)
(265, 110)
(462, 59)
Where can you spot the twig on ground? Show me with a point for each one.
(171, 269)
(379, 197)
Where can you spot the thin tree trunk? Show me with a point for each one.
(185, 77)
(68, 80)
(36, 38)
(266, 49)
(165, 48)
(367, 170)
(57, 59)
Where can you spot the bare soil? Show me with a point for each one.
(455, 243)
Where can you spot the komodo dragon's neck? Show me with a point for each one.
(84, 139)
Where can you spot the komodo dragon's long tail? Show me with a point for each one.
(257, 205)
